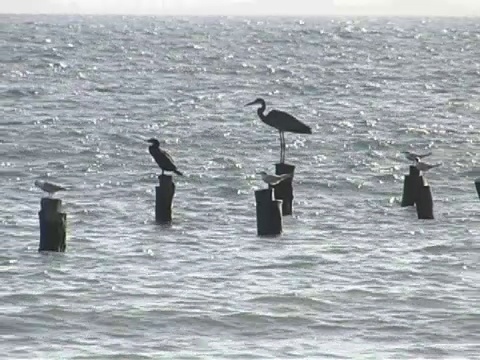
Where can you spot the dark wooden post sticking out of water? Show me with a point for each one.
(269, 213)
(477, 186)
(53, 225)
(284, 190)
(424, 201)
(164, 197)
(411, 186)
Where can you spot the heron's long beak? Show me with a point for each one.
(251, 103)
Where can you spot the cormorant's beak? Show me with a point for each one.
(252, 103)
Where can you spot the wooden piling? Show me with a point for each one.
(163, 199)
(411, 185)
(284, 190)
(269, 213)
(53, 225)
(424, 202)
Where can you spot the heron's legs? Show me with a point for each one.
(282, 144)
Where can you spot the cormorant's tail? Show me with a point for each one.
(177, 172)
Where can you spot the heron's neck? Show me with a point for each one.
(261, 111)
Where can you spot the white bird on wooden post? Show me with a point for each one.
(412, 156)
(273, 180)
(49, 187)
(424, 167)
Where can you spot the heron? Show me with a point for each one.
(162, 158)
(281, 121)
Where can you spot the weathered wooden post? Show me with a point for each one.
(284, 190)
(269, 213)
(411, 185)
(53, 225)
(424, 202)
(163, 199)
(477, 186)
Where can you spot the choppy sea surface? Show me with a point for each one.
(353, 276)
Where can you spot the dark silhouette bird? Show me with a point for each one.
(163, 159)
(281, 121)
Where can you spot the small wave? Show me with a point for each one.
(106, 88)
(435, 249)
(320, 305)
(244, 318)
(19, 93)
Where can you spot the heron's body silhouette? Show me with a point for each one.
(162, 158)
(281, 121)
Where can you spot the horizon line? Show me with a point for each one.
(220, 14)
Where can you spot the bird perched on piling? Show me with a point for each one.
(162, 158)
(49, 187)
(273, 180)
(281, 121)
(424, 167)
(412, 156)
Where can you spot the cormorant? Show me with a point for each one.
(163, 159)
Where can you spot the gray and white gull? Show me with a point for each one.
(273, 180)
(49, 187)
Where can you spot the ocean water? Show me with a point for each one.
(353, 276)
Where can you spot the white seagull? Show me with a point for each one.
(49, 187)
(412, 156)
(273, 180)
(424, 167)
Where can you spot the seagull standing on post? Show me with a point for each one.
(273, 180)
(162, 158)
(281, 121)
(49, 187)
(412, 156)
(424, 167)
